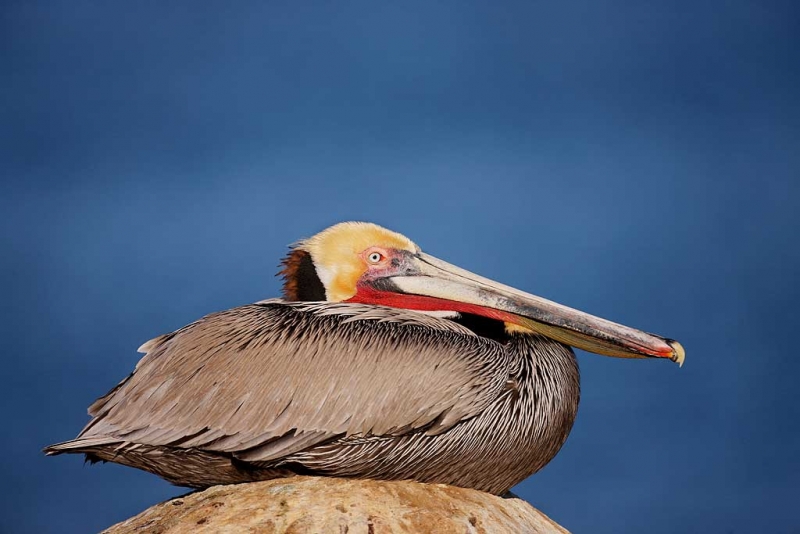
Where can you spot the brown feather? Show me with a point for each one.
(289, 268)
(300, 279)
(339, 389)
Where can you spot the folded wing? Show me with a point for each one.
(265, 380)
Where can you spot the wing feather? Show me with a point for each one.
(265, 380)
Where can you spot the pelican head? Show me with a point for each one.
(365, 263)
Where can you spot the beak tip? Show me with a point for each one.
(678, 352)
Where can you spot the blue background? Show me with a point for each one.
(640, 161)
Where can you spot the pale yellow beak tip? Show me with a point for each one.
(679, 354)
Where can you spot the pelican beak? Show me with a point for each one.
(428, 283)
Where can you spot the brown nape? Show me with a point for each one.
(300, 279)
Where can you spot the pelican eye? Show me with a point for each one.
(375, 257)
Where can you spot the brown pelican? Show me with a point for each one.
(379, 362)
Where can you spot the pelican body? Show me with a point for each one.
(379, 362)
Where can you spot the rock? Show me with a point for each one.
(320, 505)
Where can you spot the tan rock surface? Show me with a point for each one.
(321, 505)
